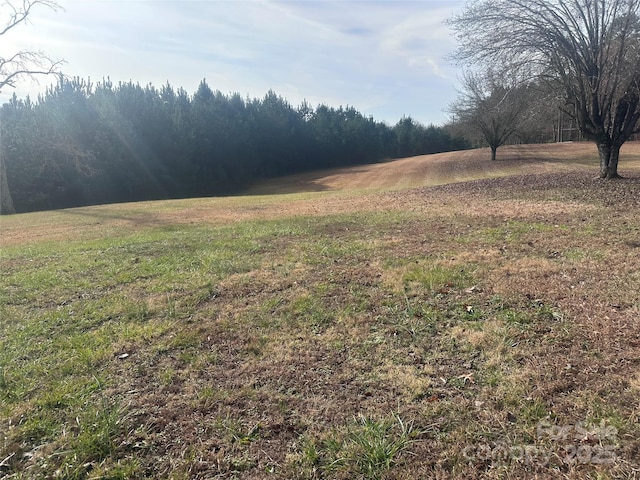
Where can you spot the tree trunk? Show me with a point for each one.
(6, 201)
(609, 156)
(494, 151)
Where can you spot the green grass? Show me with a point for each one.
(364, 448)
(70, 309)
(438, 278)
(515, 232)
(277, 348)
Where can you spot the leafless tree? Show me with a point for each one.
(17, 66)
(590, 49)
(491, 106)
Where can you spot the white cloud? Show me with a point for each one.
(386, 58)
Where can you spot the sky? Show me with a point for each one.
(385, 58)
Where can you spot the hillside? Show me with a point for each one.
(438, 169)
(487, 328)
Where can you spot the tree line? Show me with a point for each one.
(83, 143)
(540, 71)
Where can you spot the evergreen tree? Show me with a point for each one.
(82, 143)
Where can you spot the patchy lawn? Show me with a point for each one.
(487, 329)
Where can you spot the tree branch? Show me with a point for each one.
(29, 64)
(25, 63)
(20, 14)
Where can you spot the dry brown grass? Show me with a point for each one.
(452, 167)
(338, 191)
(473, 310)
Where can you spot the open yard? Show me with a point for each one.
(380, 322)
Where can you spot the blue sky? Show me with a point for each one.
(386, 58)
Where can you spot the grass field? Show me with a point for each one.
(434, 317)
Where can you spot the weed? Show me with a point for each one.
(516, 317)
(367, 447)
(167, 376)
(438, 278)
(241, 434)
(98, 429)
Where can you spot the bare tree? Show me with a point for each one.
(588, 48)
(16, 67)
(490, 106)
